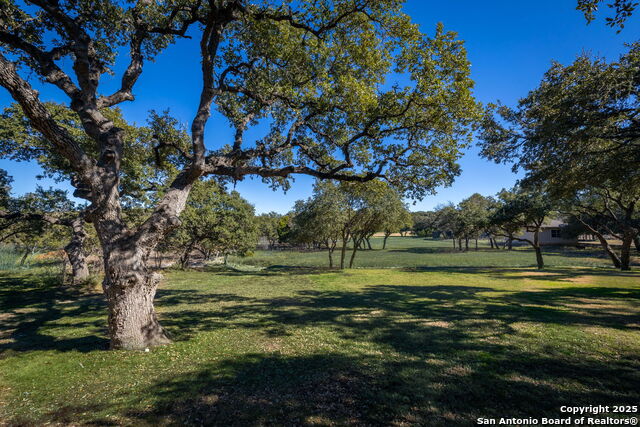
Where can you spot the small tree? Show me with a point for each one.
(347, 212)
(267, 224)
(396, 216)
(366, 205)
(519, 211)
(321, 218)
(425, 223)
(474, 215)
(450, 223)
(214, 223)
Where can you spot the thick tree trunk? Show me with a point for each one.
(510, 244)
(476, 244)
(607, 248)
(466, 244)
(75, 252)
(454, 242)
(625, 252)
(24, 257)
(129, 288)
(330, 258)
(539, 259)
(384, 242)
(369, 244)
(636, 242)
(186, 256)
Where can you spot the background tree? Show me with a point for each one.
(522, 210)
(450, 224)
(5, 189)
(607, 213)
(425, 223)
(321, 218)
(474, 215)
(214, 223)
(397, 215)
(366, 205)
(28, 220)
(579, 131)
(346, 212)
(267, 224)
(318, 73)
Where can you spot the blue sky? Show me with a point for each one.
(510, 45)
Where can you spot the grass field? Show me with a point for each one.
(405, 252)
(292, 345)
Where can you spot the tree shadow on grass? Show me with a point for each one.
(419, 373)
(338, 389)
(429, 355)
(272, 270)
(29, 305)
(440, 250)
(404, 355)
(561, 251)
(394, 307)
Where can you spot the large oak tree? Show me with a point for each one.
(351, 89)
(577, 134)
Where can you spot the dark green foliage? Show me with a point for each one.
(214, 223)
(578, 129)
(622, 10)
(578, 136)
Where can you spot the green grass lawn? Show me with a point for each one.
(418, 252)
(309, 346)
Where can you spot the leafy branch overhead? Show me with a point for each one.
(317, 73)
(622, 10)
(579, 128)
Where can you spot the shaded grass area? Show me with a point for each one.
(419, 252)
(310, 346)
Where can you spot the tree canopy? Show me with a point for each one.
(580, 128)
(578, 136)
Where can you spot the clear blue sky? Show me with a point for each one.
(510, 45)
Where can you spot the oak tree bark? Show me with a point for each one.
(75, 252)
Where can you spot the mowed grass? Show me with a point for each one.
(310, 346)
(405, 252)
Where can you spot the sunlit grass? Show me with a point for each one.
(307, 346)
(418, 252)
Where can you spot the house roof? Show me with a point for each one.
(554, 223)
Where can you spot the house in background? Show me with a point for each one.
(551, 234)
